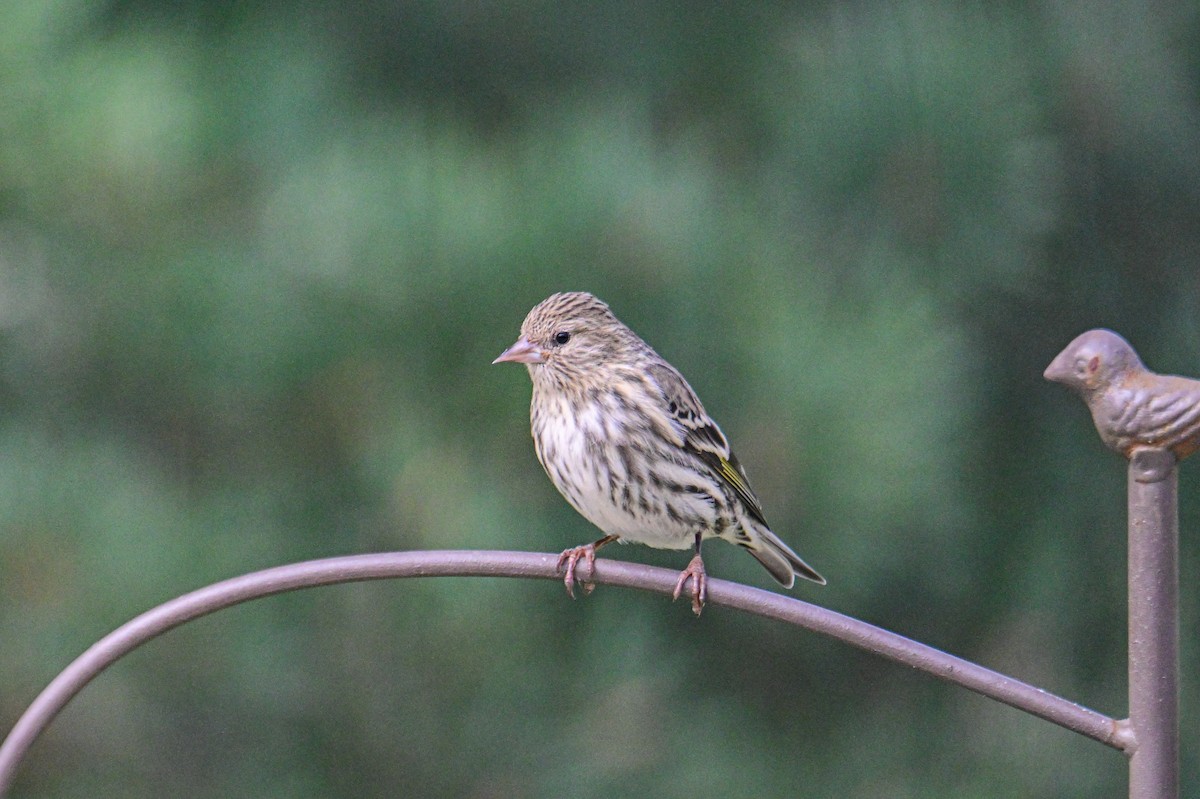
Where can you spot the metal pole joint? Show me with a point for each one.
(1151, 464)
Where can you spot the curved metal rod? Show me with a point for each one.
(484, 563)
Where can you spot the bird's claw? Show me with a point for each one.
(695, 572)
(571, 557)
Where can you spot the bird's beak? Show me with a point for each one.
(522, 352)
(1059, 370)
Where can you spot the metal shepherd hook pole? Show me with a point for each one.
(1154, 624)
(1154, 421)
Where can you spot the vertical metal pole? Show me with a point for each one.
(1154, 624)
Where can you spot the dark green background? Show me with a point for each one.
(256, 257)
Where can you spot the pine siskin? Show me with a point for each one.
(625, 439)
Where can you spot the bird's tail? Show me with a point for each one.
(779, 559)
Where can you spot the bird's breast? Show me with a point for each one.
(621, 479)
(572, 439)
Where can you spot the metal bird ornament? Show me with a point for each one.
(1131, 406)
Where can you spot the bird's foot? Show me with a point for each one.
(571, 558)
(694, 571)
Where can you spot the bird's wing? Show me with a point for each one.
(1173, 412)
(1152, 409)
(702, 437)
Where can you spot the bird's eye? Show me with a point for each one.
(562, 337)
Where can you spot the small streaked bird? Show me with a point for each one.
(625, 439)
(1131, 406)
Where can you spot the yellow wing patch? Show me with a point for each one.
(730, 473)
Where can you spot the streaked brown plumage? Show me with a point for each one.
(625, 439)
(1131, 406)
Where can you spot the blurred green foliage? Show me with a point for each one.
(255, 258)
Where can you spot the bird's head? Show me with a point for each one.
(1092, 361)
(570, 336)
